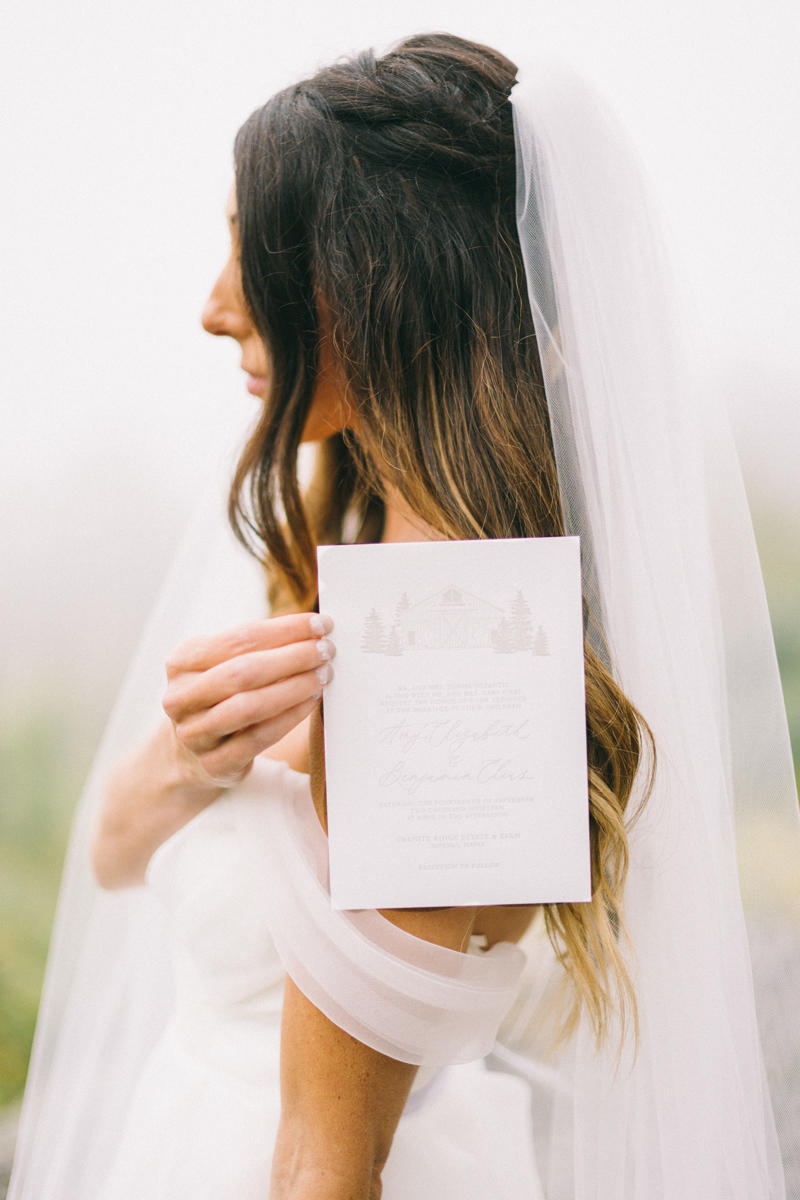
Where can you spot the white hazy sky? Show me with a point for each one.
(117, 124)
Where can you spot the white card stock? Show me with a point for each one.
(455, 728)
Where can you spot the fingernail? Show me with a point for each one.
(321, 624)
(325, 649)
(324, 673)
(316, 695)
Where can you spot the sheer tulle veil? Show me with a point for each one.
(703, 1107)
(649, 480)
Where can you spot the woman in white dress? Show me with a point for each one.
(425, 285)
(431, 306)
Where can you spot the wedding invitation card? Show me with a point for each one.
(455, 728)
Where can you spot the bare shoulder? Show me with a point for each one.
(504, 922)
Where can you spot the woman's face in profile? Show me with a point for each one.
(225, 315)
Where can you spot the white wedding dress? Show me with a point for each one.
(135, 1096)
(203, 1119)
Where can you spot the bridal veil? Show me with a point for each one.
(703, 1107)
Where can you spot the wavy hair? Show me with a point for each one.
(383, 192)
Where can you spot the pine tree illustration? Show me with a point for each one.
(541, 646)
(393, 642)
(373, 640)
(403, 605)
(521, 625)
(503, 638)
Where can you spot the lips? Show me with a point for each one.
(256, 385)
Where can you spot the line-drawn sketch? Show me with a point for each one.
(373, 639)
(450, 619)
(455, 619)
(541, 644)
(521, 623)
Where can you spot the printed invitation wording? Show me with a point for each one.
(455, 728)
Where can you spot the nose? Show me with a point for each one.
(223, 313)
(213, 317)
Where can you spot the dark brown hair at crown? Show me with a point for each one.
(387, 188)
(382, 192)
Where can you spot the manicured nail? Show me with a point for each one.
(321, 624)
(324, 673)
(316, 695)
(325, 649)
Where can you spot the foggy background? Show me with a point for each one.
(117, 128)
(118, 122)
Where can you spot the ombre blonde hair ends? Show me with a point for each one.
(385, 190)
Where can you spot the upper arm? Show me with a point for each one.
(341, 1100)
(340, 1105)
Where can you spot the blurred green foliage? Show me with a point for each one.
(39, 784)
(43, 756)
(778, 537)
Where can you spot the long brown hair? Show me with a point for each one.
(384, 190)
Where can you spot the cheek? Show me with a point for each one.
(261, 360)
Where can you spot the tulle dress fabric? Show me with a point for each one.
(415, 1001)
(202, 1121)
(706, 1106)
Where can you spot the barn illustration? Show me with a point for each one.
(450, 619)
(454, 619)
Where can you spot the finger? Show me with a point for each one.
(202, 653)
(228, 761)
(202, 732)
(193, 694)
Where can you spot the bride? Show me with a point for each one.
(450, 289)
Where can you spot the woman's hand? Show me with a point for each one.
(234, 695)
(230, 697)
